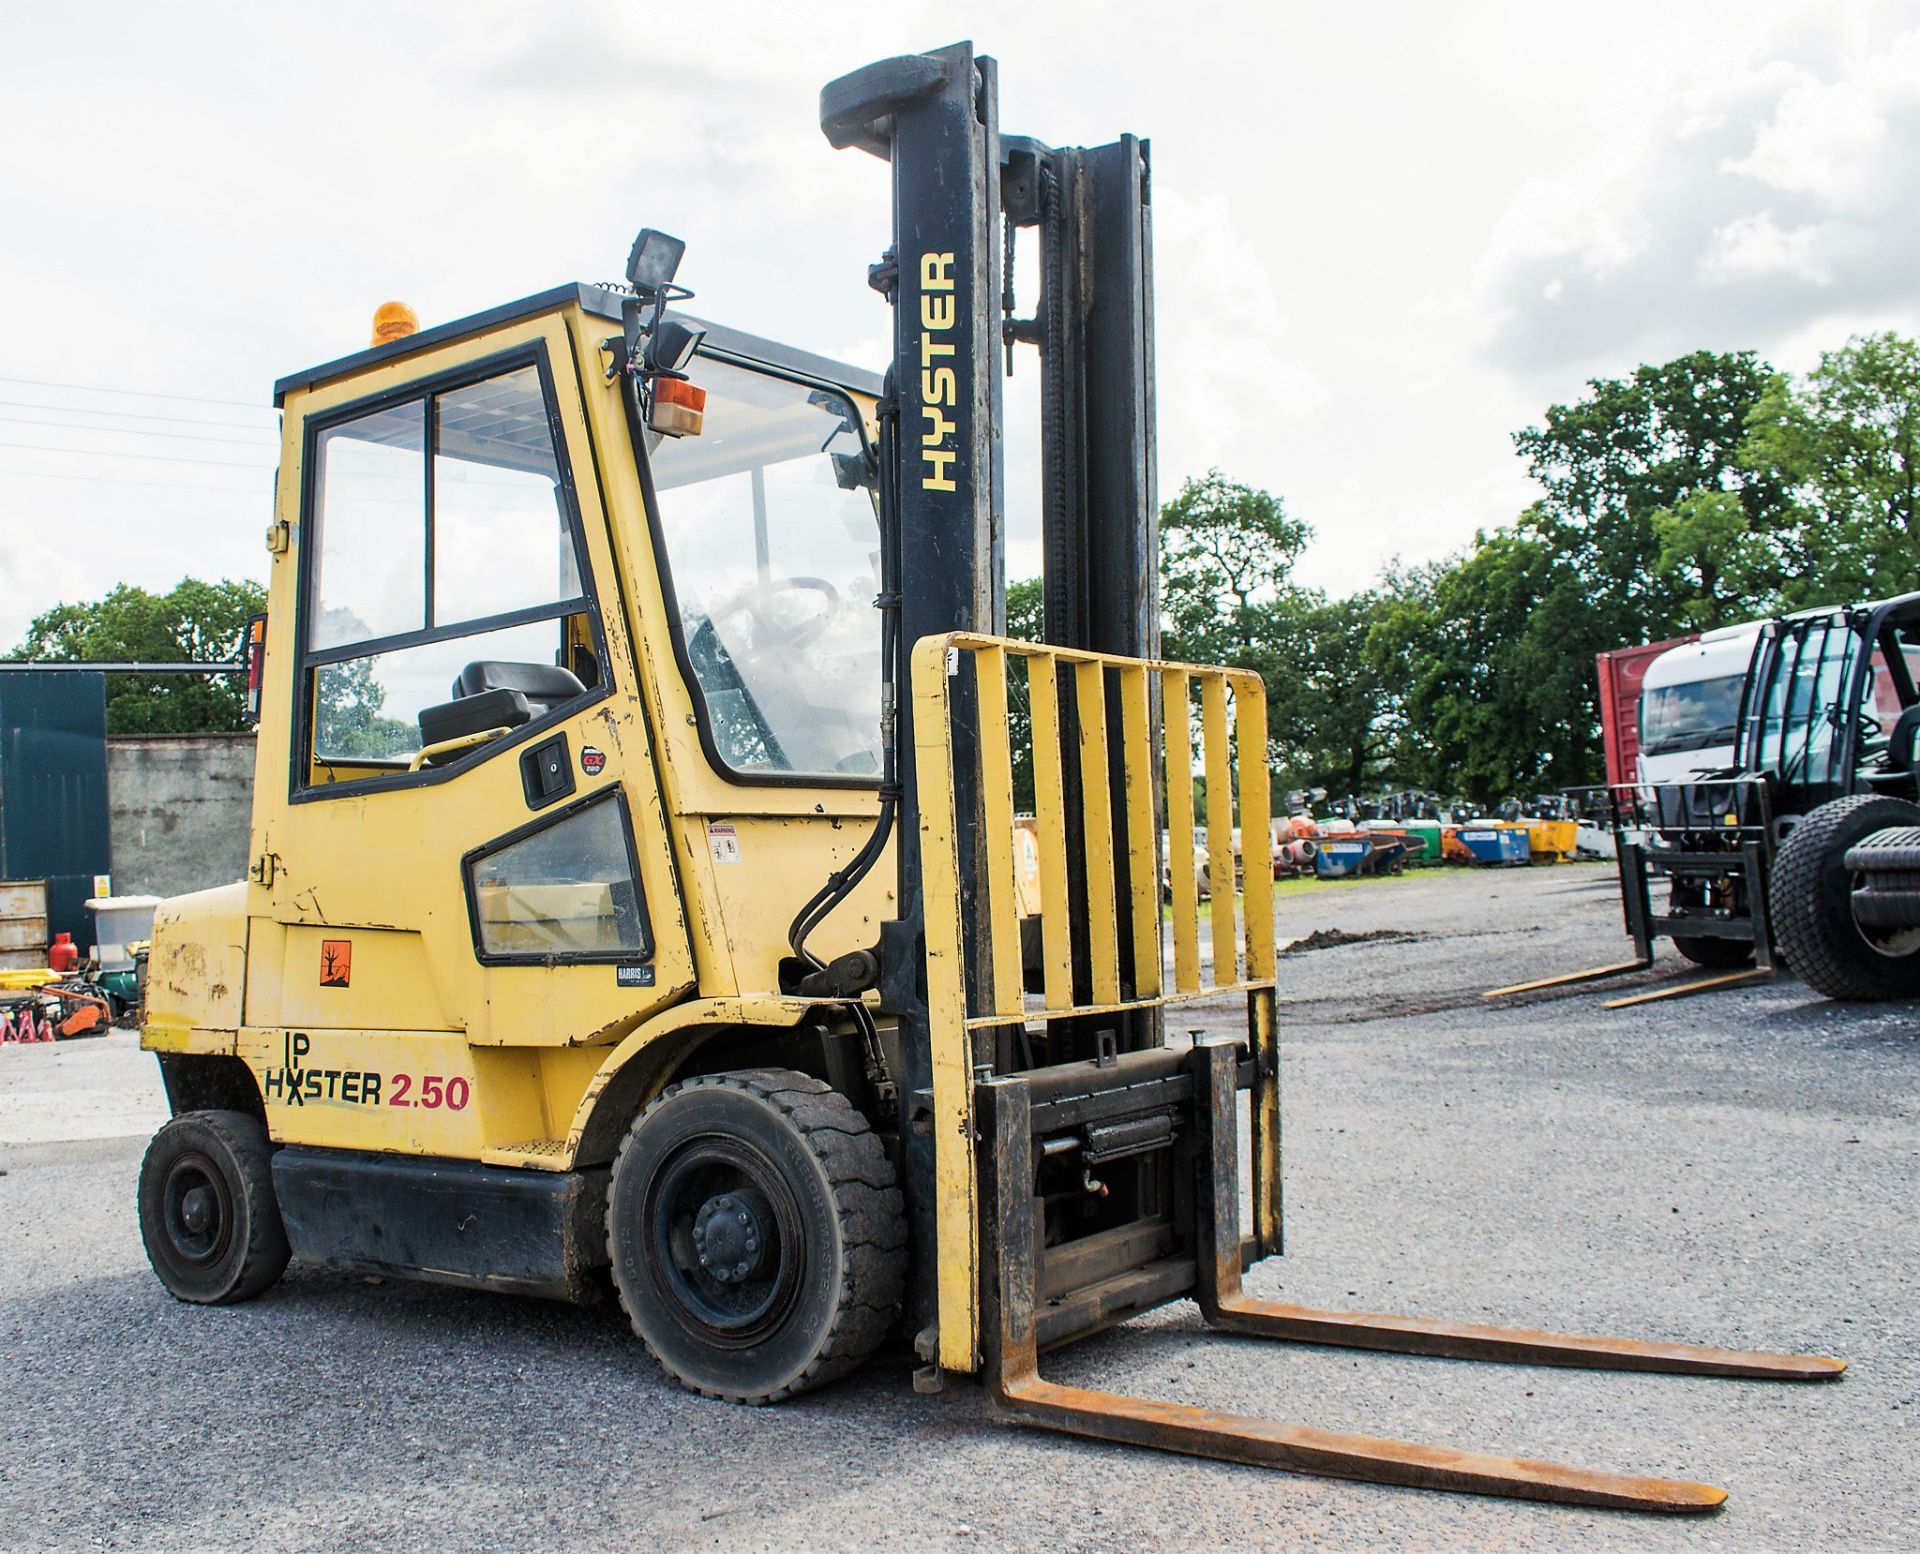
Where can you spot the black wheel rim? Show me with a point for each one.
(1895, 944)
(724, 1232)
(196, 1210)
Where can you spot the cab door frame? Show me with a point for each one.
(419, 827)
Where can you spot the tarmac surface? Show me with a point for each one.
(1739, 1169)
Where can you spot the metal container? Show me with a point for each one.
(23, 924)
(1553, 839)
(1496, 842)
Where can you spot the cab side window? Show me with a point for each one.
(444, 577)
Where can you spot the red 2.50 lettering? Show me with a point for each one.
(433, 1092)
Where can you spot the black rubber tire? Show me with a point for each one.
(1721, 954)
(1813, 903)
(208, 1215)
(831, 1204)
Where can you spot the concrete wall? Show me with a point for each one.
(180, 808)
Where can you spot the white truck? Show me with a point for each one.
(1690, 705)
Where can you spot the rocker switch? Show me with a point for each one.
(546, 772)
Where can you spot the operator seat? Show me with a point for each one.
(1896, 773)
(491, 694)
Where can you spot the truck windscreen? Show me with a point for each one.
(1695, 716)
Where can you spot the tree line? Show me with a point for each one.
(1703, 491)
(193, 622)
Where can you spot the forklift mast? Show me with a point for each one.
(1059, 1179)
(961, 190)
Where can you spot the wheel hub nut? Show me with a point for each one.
(728, 1234)
(196, 1210)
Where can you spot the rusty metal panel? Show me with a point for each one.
(23, 924)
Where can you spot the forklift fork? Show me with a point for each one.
(1643, 926)
(1017, 1388)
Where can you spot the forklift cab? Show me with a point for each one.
(539, 677)
(1833, 707)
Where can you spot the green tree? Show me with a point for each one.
(1227, 594)
(1717, 570)
(348, 722)
(195, 622)
(1843, 445)
(1654, 519)
(1227, 553)
(1494, 702)
(1342, 711)
(1638, 446)
(1025, 608)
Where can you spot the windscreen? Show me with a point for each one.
(440, 538)
(773, 544)
(1800, 727)
(1696, 716)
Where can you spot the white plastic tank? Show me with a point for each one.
(119, 922)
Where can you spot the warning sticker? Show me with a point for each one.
(336, 962)
(723, 841)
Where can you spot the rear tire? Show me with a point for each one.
(208, 1215)
(1813, 905)
(1722, 954)
(757, 1236)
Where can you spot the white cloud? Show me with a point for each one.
(1753, 192)
(1228, 368)
(1753, 246)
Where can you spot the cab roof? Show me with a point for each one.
(602, 302)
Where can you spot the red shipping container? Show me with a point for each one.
(1621, 672)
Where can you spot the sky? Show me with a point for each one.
(1387, 235)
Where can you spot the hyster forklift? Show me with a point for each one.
(633, 885)
(1756, 856)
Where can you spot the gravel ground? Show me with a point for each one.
(1737, 1169)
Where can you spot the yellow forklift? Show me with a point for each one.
(633, 889)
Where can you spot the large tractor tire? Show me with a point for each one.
(1813, 916)
(207, 1211)
(759, 1241)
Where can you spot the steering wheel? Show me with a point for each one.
(770, 633)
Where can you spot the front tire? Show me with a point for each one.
(208, 1215)
(1813, 905)
(757, 1236)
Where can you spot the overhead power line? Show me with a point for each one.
(184, 399)
(157, 458)
(15, 666)
(134, 415)
(152, 485)
(131, 431)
